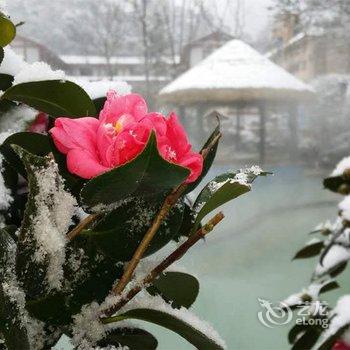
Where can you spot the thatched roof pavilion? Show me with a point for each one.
(237, 74)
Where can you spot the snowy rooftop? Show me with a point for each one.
(235, 72)
(102, 60)
(77, 59)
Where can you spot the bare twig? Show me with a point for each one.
(169, 202)
(82, 224)
(174, 256)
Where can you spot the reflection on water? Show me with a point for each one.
(249, 256)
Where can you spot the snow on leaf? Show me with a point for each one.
(336, 255)
(36, 72)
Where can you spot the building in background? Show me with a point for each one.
(307, 55)
(199, 49)
(130, 69)
(31, 51)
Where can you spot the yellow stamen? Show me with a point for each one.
(118, 127)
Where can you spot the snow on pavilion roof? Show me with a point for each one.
(235, 72)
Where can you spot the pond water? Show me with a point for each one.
(248, 257)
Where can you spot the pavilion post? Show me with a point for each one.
(238, 127)
(200, 118)
(293, 131)
(182, 115)
(262, 132)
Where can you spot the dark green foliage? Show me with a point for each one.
(11, 325)
(307, 340)
(31, 273)
(184, 295)
(327, 287)
(338, 184)
(119, 233)
(134, 338)
(36, 144)
(309, 250)
(6, 80)
(99, 103)
(173, 323)
(54, 97)
(187, 222)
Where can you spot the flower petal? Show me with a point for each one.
(80, 162)
(194, 162)
(116, 106)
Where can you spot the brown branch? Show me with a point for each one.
(169, 202)
(174, 256)
(82, 224)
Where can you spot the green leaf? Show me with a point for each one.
(55, 97)
(73, 182)
(187, 223)
(6, 80)
(120, 232)
(50, 309)
(133, 338)
(11, 325)
(208, 160)
(148, 175)
(7, 30)
(31, 273)
(193, 335)
(34, 143)
(221, 190)
(339, 184)
(295, 332)
(99, 103)
(176, 288)
(310, 250)
(328, 286)
(307, 340)
(338, 269)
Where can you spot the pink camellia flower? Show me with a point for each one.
(94, 146)
(340, 345)
(40, 124)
